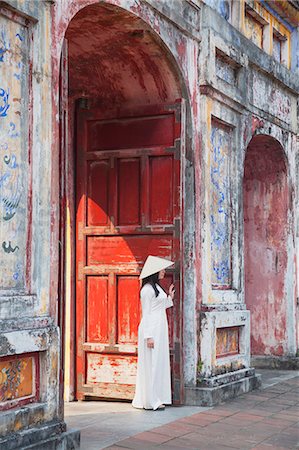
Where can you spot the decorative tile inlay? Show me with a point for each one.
(227, 341)
(220, 208)
(14, 136)
(18, 379)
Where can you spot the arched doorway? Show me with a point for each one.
(266, 203)
(124, 108)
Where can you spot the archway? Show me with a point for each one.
(266, 203)
(124, 114)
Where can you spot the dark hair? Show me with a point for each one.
(153, 280)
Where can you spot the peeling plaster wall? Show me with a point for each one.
(243, 93)
(14, 67)
(36, 125)
(266, 204)
(29, 336)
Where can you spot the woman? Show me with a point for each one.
(153, 387)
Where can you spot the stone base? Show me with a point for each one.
(218, 389)
(275, 362)
(51, 436)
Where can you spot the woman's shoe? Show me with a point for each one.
(161, 408)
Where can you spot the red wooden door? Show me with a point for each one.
(128, 206)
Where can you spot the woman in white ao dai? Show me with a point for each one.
(153, 385)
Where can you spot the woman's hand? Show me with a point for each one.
(171, 291)
(150, 342)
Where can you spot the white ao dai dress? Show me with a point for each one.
(153, 385)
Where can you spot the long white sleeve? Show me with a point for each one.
(168, 302)
(147, 295)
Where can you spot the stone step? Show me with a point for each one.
(225, 378)
(211, 396)
(49, 436)
(69, 440)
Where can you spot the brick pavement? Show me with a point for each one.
(260, 420)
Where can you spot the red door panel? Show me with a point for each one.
(161, 181)
(128, 307)
(131, 132)
(128, 181)
(132, 251)
(97, 309)
(98, 193)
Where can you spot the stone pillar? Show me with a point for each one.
(30, 348)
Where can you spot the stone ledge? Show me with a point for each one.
(30, 415)
(17, 306)
(27, 341)
(211, 396)
(275, 362)
(49, 436)
(69, 440)
(219, 380)
(25, 323)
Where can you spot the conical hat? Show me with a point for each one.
(154, 264)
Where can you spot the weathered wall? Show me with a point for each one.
(239, 101)
(266, 204)
(14, 64)
(233, 91)
(30, 340)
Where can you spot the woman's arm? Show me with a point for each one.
(147, 293)
(170, 297)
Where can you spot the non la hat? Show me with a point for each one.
(154, 264)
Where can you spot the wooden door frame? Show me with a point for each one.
(62, 212)
(66, 267)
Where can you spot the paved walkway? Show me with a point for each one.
(261, 420)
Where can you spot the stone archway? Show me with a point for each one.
(266, 204)
(120, 75)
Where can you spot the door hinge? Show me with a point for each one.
(177, 352)
(177, 271)
(176, 149)
(177, 228)
(83, 103)
(177, 108)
